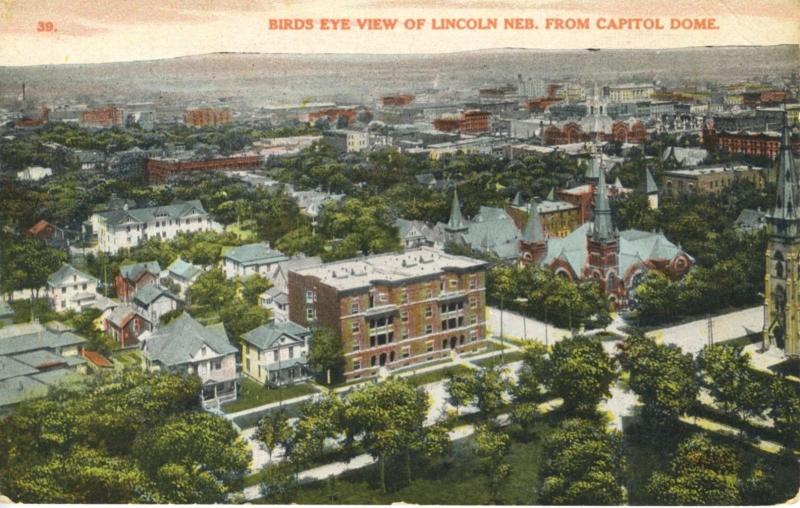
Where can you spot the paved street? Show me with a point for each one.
(516, 327)
(692, 336)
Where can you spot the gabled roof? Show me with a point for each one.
(183, 269)
(136, 270)
(43, 359)
(254, 254)
(150, 214)
(180, 340)
(271, 334)
(9, 368)
(32, 336)
(97, 359)
(64, 275)
(39, 227)
(121, 315)
(148, 294)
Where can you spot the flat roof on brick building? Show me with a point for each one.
(389, 268)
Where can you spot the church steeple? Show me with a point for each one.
(788, 193)
(782, 279)
(603, 230)
(456, 222)
(533, 229)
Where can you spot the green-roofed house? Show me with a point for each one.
(275, 353)
(182, 274)
(122, 229)
(152, 302)
(34, 358)
(185, 345)
(251, 259)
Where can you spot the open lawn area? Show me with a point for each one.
(127, 358)
(253, 394)
(454, 481)
(436, 375)
(505, 358)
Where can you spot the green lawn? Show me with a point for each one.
(253, 394)
(127, 358)
(494, 361)
(436, 375)
(454, 481)
(646, 453)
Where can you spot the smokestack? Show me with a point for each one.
(23, 92)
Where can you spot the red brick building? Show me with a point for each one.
(160, 170)
(207, 117)
(540, 104)
(30, 123)
(763, 144)
(132, 277)
(472, 121)
(104, 117)
(125, 325)
(396, 99)
(333, 114)
(572, 132)
(394, 310)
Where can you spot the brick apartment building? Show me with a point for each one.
(104, 117)
(471, 121)
(393, 310)
(160, 170)
(713, 179)
(401, 99)
(763, 144)
(333, 115)
(204, 117)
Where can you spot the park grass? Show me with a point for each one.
(437, 375)
(242, 231)
(457, 480)
(495, 361)
(127, 358)
(253, 394)
(647, 452)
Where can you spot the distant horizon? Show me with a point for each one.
(410, 55)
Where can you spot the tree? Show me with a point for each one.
(702, 473)
(204, 451)
(319, 420)
(531, 375)
(325, 355)
(728, 377)
(389, 418)
(211, 290)
(27, 262)
(491, 447)
(484, 388)
(252, 287)
(785, 410)
(123, 437)
(273, 430)
(279, 484)
(663, 377)
(580, 372)
(460, 389)
(584, 465)
(239, 318)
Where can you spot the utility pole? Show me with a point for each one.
(710, 331)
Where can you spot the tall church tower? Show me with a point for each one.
(533, 244)
(602, 243)
(456, 225)
(782, 279)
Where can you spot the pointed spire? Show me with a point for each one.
(517, 199)
(603, 223)
(551, 196)
(456, 221)
(533, 229)
(618, 184)
(787, 194)
(650, 182)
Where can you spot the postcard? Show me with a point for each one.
(484, 252)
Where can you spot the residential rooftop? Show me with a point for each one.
(254, 253)
(713, 169)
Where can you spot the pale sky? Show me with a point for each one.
(123, 30)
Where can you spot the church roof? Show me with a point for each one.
(533, 229)
(456, 221)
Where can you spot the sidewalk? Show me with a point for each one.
(363, 460)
